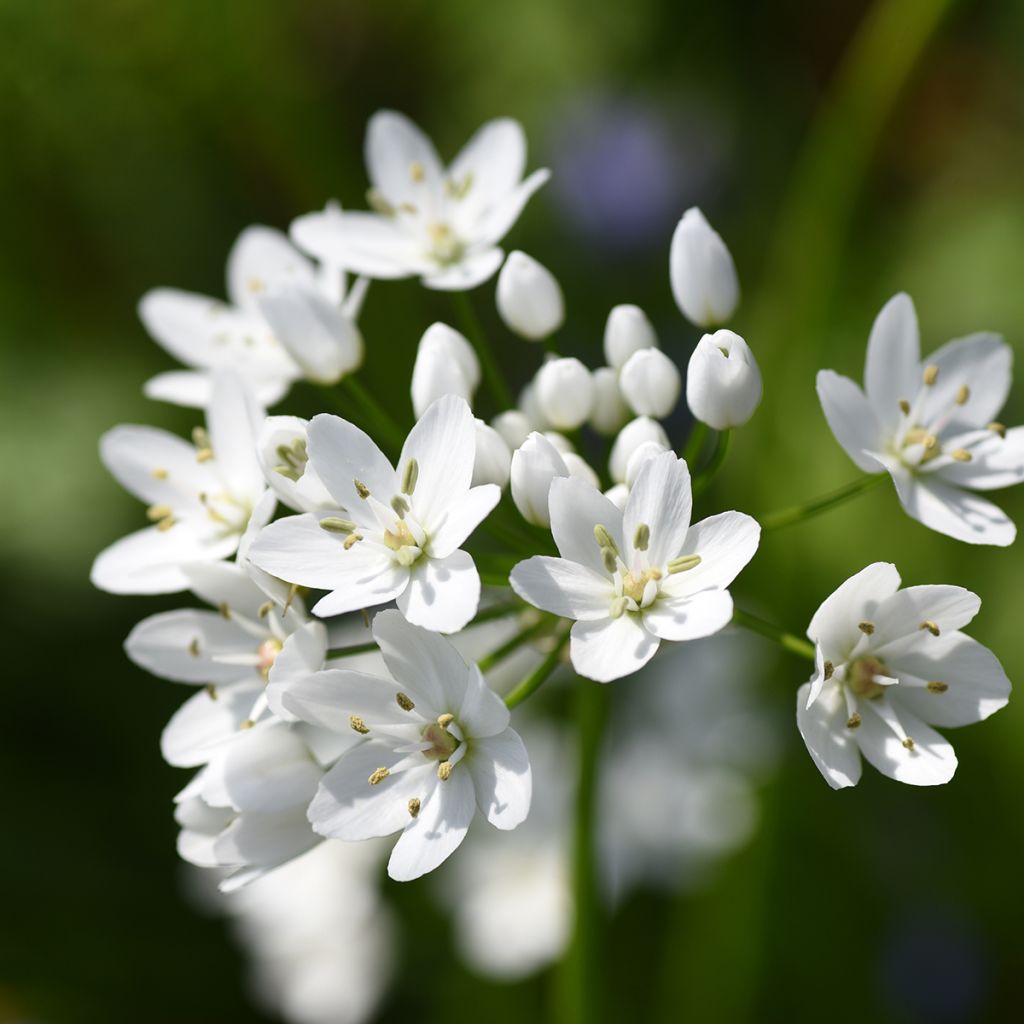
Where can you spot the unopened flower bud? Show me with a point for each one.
(565, 392)
(702, 273)
(618, 495)
(626, 331)
(640, 457)
(445, 365)
(514, 427)
(609, 411)
(650, 383)
(529, 405)
(529, 298)
(493, 457)
(723, 383)
(632, 435)
(562, 444)
(534, 466)
(580, 468)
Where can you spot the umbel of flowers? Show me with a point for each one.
(338, 570)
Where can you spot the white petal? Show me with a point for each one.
(263, 259)
(981, 362)
(443, 593)
(492, 227)
(493, 161)
(931, 761)
(308, 493)
(576, 508)
(341, 453)
(892, 370)
(263, 841)
(996, 462)
(661, 500)
(301, 656)
(436, 832)
(611, 648)
(851, 418)
(901, 615)
(461, 518)
(205, 723)
(401, 161)
(953, 512)
(725, 543)
(234, 420)
(483, 712)
(835, 623)
(226, 585)
(830, 744)
(688, 618)
(364, 243)
(500, 768)
(268, 769)
(472, 270)
(562, 587)
(329, 698)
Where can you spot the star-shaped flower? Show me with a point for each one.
(436, 747)
(440, 224)
(635, 577)
(401, 538)
(931, 426)
(888, 662)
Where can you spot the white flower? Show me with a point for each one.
(888, 662)
(514, 427)
(442, 225)
(529, 298)
(436, 746)
(200, 495)
(633, 578)
(931, 426)
(723, 382)
(493, 457)
(445, 365)
(282, 322)
(702, 273)
(565, 393)
(641, 454)
(650, 383)
(400, 538)
(609, 411)
(284, 456)
(634, 434)
(534, 465)
(626, 331)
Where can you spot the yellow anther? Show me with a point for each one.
(358, 724)
(157, 512)
(444, 770)
(642, 537)
(265, 609)
(351, 540)
(225, 609)
(867, 628)
(618, 607)
(932, 627)
(247, 724)
(961, 455)
(410, 475)
(963, 394)
(853, 722)
(335, 524)
(400, 505)
(997, 428)
(193, 647)
(414, 807)
(931, 375)
(166, 524)
(211, 691)
(404, 702)
(378, 203)
(200, 437)
(904, 407)
(683, 563)
(604, 538)
(255, 285)
(908, 743)
(937, 687)
(445, 720)
(204, 454)
(361, 489)
(828, 669)
(609, 560)
(409, 208)
(159, 473)
(416, 171)
(378, 776)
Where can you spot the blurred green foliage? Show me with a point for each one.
(140, 138)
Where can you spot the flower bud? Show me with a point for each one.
(529, 298)
(534, 466)
(640, 457)
(565, 393)
(723, 383)
(650, 383)
(445, 365)
(626, 331)
(580, 468)
(609, 411)
(282, 452)
(562, 444)
(618, 495)
(702, 273)
(529, 405)
(632, 435)
(493, 457)
(514, 427)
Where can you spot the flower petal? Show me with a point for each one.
(194, 390)
(576, 508)
(980, 362)
(473, 269)
(364, 243)
(563, 588)
(953, 512)
(483, 712)
(830, 744)
(443, 593)
(930, 762)
(401, 161)
(892, 370)
(500, 768)
(835, 623)
(205, 723)
(234, 420)
(688, 618)
(341, 453)
(851, 418)
(493, 226)
(492, 162)
(461, 518)
(661, 500)
(901, 616)
(996, 462)
(608, 649)
(261, 260)
(725, 543)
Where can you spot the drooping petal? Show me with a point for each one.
(835, 623)
(851, 418)
(563, 588)
(473, 269)
(688, 618)
(436, 832)
(930, 761)
(661, 500)
(461, 518)
(725, 544)
(904, 614)
(829, 742)
(892, 370)
(205, 723)
(443, 593)
(953, 512)
(500, 768)
(341, 453)
(262, 842)
(261, 260)
(608, 649)
(576, 508)
(980, 362)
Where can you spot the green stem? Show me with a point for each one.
(475, 333)
(488, 661)
(788, 641)
(380, 418)
(704, 478)
(695, 442)
(539, 675)
(798, 513)
(583, 970)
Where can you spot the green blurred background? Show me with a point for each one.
(845, 151)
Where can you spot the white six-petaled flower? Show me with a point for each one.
(931, 426)
(401, 536)
(436, 747)
(890, 664)
(440, 224)
(635, 577)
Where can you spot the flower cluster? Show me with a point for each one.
(363, 583)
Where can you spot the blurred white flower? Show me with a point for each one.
(702, 273)
(440, 224)
(932, 426)
(493, 461)
(627, 331)
(514, 427)
(609, 411)
(888, 662)
(445, 365)
(723, 382)
(650, 383)
(529, 298)
(565, 393)
(535, 464)
(634, 434)
(283, 450)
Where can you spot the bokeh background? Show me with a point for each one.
(845, 151)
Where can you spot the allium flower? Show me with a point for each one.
(609, 411)
(283, 321)
(565, 392)
(440, 224)
(200, 495)
(723, 382)
(535, 464)
(436, 746)
(400, 538)
(888, 662)
(445, 365)
(632, 436)
(283, 450)
(702, 273)
(529, 298)
(931, 426)
(650, 383)
(635, 577)
(626, 332)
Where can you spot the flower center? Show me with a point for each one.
(445, 246)
(442, 743)
(401, 540)
(633, 586)
(267, 653)
(860, 677)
